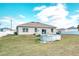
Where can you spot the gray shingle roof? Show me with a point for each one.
(37, 24)
(72, 27)
(6, 29)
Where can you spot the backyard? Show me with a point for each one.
(22, 45)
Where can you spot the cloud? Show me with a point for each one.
(75, 17)
(6, 22)
(21, 16)
(17, 22)
(75, 20)
(39, 8)
(6, 19)
(57, 16)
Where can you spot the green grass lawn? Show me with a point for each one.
(19, 45)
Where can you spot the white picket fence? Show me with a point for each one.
(48, 38)
(6, 33)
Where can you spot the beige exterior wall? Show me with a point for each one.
(32, 31)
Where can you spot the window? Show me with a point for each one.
(51, 30)
(43, 31)
(35, 29)
(25, 29)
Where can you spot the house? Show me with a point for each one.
(35, 28)
(72, 28)
(5, 29)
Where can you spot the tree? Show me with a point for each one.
(78, 27)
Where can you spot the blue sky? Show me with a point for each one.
(14, 9)
(26, 12)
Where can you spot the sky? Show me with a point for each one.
(61, 15)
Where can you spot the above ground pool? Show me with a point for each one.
(47, 38)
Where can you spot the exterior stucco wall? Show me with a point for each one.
(32, 31)
(48, 30)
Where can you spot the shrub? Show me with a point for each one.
(38, 35)
(34, 34)
(15, 33)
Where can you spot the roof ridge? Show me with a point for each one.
(36, 24)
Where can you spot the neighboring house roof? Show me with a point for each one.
(37, 25)
(72, 27)
(6, 29)
(61, 29)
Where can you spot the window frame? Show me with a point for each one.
(52, 29)
(35, 29)
(25, 29)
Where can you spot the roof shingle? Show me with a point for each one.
(72, 27)
(37, 24)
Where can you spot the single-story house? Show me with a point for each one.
(35, 28)
(5, 29)
(72, 29)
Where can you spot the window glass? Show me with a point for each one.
(35, 29)
(25, 29)
(51, 30)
